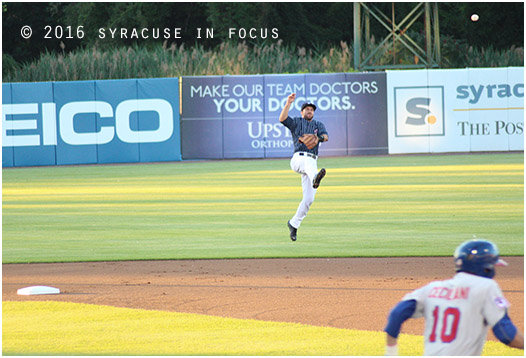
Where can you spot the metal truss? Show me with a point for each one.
(367, 55)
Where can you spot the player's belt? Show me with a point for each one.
(308, 155)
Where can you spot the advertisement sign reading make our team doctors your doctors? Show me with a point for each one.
(89, 122)
(464, 110)
(237, 116)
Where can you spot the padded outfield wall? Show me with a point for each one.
(226, 117)
(464, 110)
(90, 122)
(237, 116)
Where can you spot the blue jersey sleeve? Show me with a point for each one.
(399, 314)
(505, 330)
(290, 123)
(322, 129)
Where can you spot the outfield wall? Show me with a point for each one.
(138, 120)
(90, 122)
(237, 116)
(464, 110)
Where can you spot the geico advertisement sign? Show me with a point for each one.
(12, 128)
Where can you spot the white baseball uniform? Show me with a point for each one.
(458, 313)
(304, 162)
(308, 168)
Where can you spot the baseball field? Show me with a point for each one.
(194, 258)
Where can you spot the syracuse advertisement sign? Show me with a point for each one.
(237, 116)
(462, 110)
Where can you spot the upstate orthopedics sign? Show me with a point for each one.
(237, 116)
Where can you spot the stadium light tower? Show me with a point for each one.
(367, 54)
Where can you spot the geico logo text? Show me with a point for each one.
(66, 118)
(500, 91)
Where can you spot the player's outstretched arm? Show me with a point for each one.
(285, 112)
(398, 315)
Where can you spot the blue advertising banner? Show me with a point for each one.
(202, 121)
(112, 93)
(367, 132)
(121, 121)
(26, 125)
(89, 122)
(272, 135)
(242, 106)
(77, 113)
(329, 92)
(159, 123)
(246, 109)
(7, 119)
(33, 124)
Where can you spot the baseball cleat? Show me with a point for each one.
(319, 177)
(293, 231)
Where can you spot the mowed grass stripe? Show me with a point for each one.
(242, 207)
(47, 193)
(407, 169)
(494, 170)
(366, 206)
(61, 328)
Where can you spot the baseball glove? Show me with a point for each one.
(310, 140)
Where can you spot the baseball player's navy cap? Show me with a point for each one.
(307, 104)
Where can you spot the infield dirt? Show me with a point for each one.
(353, 293)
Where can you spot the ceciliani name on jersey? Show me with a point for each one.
(457, 293)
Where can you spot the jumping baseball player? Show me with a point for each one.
(458, 312)
(307, 133)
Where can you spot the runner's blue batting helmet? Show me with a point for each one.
(478, 257)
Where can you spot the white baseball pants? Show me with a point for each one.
(308, 168)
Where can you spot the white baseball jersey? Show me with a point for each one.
(458, 313)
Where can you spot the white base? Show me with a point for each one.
(38, 290)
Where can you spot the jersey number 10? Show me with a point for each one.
(450, 320)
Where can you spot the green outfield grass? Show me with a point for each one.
(59, 328)
(366, 206)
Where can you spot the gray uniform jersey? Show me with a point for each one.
(299, 126)
(458, 313)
